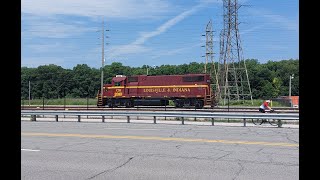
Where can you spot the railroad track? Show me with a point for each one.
(160, 108)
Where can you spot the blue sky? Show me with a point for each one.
(150, 32)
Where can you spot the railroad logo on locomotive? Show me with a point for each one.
(118, 92)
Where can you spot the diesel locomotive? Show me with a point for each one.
(190, 90)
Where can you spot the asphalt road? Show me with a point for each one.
(92, 150)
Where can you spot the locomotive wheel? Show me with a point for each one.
(178, 104)
(110, 104)
(128, 104)
(199, 105)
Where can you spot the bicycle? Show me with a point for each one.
(272, 122)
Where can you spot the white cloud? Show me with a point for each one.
(51, 28)
(124, 50)
(252, 29)
(40, 61)
(96, 8)
(285, 22)
(176, 51)
(164, 27)
(40, 48)
(279, 20)
(136, 46)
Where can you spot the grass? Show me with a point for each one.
(255, 103)
(61, 101)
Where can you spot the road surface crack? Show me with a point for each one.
(222, 156)
(175, 132)
(113, 169)
(238, 173)
(291, 140)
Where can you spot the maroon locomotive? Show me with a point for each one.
(185, 90)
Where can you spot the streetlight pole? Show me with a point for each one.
(291, 77)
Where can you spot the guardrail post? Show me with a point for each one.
(56, 118)
(182, 118)
(279, 123)
(33, 117)
(78, 118)
(212, 120)
(244, 122)
(154, 120)
(102, 118)
(128, 119)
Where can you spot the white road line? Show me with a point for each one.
(29, 150)
(135, 129)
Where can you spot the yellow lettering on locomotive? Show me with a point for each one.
(181, 90)
(163, 90)
(154, 90)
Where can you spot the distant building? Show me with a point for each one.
(292, 102)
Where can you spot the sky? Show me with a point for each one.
(151, 32)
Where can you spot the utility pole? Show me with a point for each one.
(291, 77)
(29, 93)
(102, 64)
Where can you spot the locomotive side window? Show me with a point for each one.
(193, 78)
(132, 79)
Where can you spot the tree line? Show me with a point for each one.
(267, 80)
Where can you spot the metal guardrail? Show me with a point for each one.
(182, 115)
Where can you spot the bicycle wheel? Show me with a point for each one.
(273, 122)
(257, 121)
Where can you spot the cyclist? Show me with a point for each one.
(265, 106)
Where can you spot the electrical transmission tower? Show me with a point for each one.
(209, 57)
(233, 75)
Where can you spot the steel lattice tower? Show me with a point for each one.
(233, 75)
(209, 57)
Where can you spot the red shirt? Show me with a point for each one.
(265, 105)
